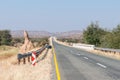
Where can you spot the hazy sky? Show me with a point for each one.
(58, 15)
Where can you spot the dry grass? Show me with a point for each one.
(11, 71)
(41, 71)
(63, 43)
(7, 51)
(107, 54)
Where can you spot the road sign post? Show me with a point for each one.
(33, 58)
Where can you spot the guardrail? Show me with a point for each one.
(83, 46)
(107, 50)
(92, 47)
(29, 54)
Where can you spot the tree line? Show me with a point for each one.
(100, 37)
(7, 39)
(93, 34)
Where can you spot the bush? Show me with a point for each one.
(93, 34)
(5, 37)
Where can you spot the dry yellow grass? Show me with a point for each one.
(107, 54)
(11, 71)
(63, 43)
(41, 71)
(7, 51)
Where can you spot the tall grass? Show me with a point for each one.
(41, 71)
(7, 51)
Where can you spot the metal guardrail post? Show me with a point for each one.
(28, 59)
(18, 61)
(24, 61)
(114, 51)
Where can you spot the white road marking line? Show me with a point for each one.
(101, 65)
(85, 58)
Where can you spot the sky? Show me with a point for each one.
(58, 15)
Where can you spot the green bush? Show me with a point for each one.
(5, 37)
(93, 34)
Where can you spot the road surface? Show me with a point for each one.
(76, 64)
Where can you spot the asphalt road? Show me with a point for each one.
(76, 64)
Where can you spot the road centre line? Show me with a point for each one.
(85, 58)
(101, 65)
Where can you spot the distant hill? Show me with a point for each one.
(40, 34)
(70, 34)
(32, 34)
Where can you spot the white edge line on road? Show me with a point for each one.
(85, 58)
(101, 65)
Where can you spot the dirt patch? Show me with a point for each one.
(5, 57)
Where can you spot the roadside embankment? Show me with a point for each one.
(107, 54)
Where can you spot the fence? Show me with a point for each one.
(29, 54)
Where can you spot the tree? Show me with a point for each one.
(0, 37)
(116, 37)
(5, 37)
(107, 41)
(116, 30)
(112, 39)
(92, 34)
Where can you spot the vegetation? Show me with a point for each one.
(70, 40)
(7, 51)
(36, 41)
(112, 39)
(5, 37)
(9, 46)
(93, 34)
(102, 38)
(39, 41)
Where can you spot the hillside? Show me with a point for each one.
(32, 34)
(76, 34)
(40, 34)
